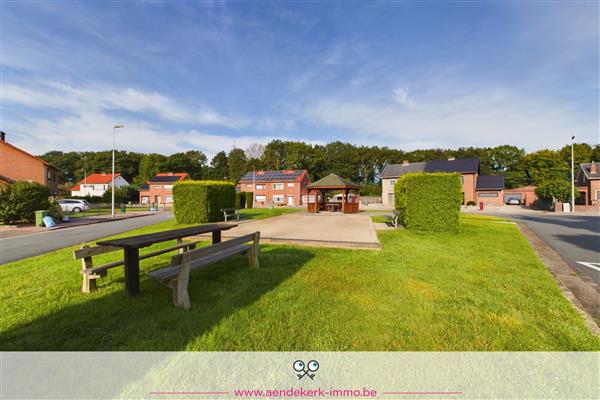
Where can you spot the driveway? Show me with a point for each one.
(575, 237)
(323, 229)
(19, 247)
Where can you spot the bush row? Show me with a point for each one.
(20, 200)
(429, 201)
(197, 202)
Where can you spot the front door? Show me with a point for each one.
(157, 199)
(290, 200)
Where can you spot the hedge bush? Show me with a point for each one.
(429, 201)
(20, 200)
(196, 202)
(249, 199)
(240, 200)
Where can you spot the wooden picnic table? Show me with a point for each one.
(132, 245)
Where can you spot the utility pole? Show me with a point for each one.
(572, 175)
(112, 205)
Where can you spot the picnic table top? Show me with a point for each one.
(152, 238)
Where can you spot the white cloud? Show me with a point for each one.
(401, 97)
(53, 95)
(466, 118)
(93, 131)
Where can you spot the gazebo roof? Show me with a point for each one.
(332, 181)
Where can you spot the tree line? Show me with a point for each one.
(362, 164)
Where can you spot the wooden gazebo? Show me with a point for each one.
(316, 195)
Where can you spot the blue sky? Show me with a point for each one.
(211, 75)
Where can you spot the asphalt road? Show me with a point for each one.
(19, 247)
(575, 237)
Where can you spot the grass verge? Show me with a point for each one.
(482, 289)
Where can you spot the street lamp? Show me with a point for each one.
(112, 206)
(572, 176)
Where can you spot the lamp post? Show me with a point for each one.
(112, 206)
(572, 176)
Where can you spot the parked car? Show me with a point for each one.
(513, 201)
(74, 205)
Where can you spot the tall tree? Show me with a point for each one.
(219, 167)
(236, 161)
(544, 165)
(193, 162)
(150, 165)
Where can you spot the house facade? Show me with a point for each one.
(588, 185)
(280, 187)
(159, 189)
(18, 165)
(475, 187)
(97, 185)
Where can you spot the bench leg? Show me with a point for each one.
(179, 286)
(254, 252)
(89, 282)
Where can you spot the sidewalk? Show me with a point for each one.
(7, 231)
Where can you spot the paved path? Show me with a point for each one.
(19, 247)
(323, 229)
(575, 237)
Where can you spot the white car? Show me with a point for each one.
(513, 201)
(74, 205)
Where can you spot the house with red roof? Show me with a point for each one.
(97, 184)
(18, 165)
(286, 187)
(159, 189)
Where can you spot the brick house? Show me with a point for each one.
(475, 187)
(18, 165)
(588, 184)
(159, 189)
(280, 187)
(97, 185)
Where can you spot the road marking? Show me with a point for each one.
(591, 265)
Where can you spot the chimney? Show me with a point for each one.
(2, 136)
(405, 162)
(451, 158)
(593, 168)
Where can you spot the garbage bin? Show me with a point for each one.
(39, 217)
(122, 208)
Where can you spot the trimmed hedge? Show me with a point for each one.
(240, 200)
(249, 199)
(20, 200)
(429, 201)
(196, 202)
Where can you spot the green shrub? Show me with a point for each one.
(196, 202)
(471, 203)
(429, 201)
(20, 200)
(55, 211)
(249, 199)
(240, 200)
(556, 190)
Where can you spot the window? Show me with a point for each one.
(145, 199)
(277, 186)
(168, 199)
(278, 198)
(291, 184)
(392, 182)
(261, 198)
(249, 185)
(168, 187)
(597, 194)
(156, 187)
(260, 187)
(487, 194)
(391, 198)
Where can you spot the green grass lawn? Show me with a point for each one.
(381, 218)
(481, 289)
(104, 211)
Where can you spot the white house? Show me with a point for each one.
(97, 184)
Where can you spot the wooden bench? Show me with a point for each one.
(177, 274)
(230, 212)
(91, 273)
